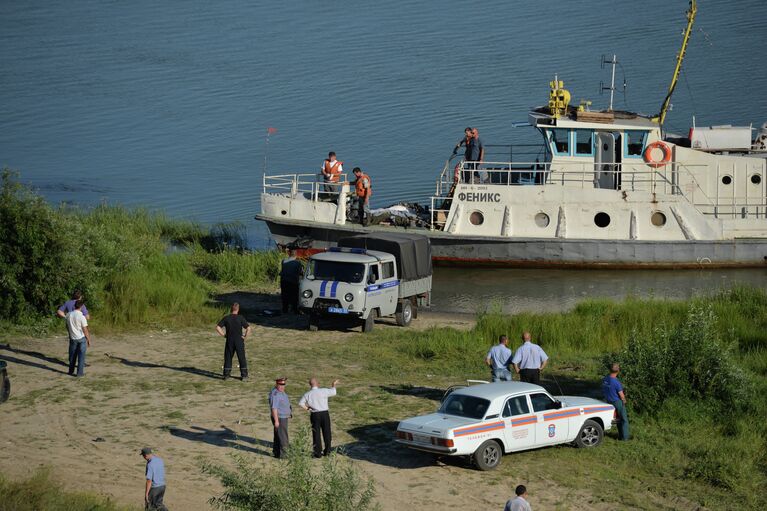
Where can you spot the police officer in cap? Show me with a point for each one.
(281, 411)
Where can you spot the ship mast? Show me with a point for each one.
(687, 33)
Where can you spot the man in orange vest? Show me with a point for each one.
(331, 170)
(363, 190)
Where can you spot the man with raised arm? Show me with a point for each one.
(316, 402)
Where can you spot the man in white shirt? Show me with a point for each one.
(316, 401)
(499, 358)
(529, 361)
(79, 338)
(520, 503)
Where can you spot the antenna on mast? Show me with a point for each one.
(611, 88)
(679, 58)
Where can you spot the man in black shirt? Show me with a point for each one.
(231, 327)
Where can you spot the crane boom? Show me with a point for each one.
(686, 39)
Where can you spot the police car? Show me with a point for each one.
(488, 420)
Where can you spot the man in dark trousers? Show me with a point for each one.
(154, 490)
(231, 326)
(529, 360)
(362, 190)
(290, 276)
(316, 401)
(281, 411)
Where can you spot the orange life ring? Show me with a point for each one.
(666, 154)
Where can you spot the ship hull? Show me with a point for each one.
(517, 252)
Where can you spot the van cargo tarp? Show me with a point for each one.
(413, 251)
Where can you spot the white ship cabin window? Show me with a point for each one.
(388, 270)
(726, 180)
(560, 142)
(584, 143)
(477, 218)
(634, 143)
(756, 179)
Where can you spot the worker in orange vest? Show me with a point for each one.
(331, 170)
(364, 190)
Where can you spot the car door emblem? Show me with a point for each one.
(552, 430)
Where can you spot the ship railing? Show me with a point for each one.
(310, 186)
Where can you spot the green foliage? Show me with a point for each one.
(687, 360)
(40, 493)
(298, 483)
(135, 267)
(236, 267)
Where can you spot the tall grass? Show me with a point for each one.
(41, 493)
(237, 267)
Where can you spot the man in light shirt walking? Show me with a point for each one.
(498, 358)
(79, 338)
(316, 401)
(529, 361)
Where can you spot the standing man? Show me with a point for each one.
(79, 338)
(316, 401)
(479, 151)
(468, 155)
(231, 327)
(363, 190)
(290, 276)
(69, 306)
(281, 411)
(520, 503)
(154, 490)
(499, 358)
(529, 361)
(331, 170)
(614, 394)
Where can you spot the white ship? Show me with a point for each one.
(606, 189)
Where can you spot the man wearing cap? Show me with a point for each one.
(281, 411)
(155, 481)
(316, 401)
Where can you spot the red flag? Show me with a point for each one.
(271, 131)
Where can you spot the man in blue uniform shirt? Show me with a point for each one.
(529, 361)
(155, 481)
(281, 411)
(498, 358)
(614, 394)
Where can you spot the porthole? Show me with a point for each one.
(284, 212)
(756, 179)
(476, 218)
(542, 219)
(658, 219)
(726, 180)
(602, 219)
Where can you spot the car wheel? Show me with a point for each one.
(404, 313)
(5, 386)
(590, 435)
(488, 456)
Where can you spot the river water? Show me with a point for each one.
(167, 104)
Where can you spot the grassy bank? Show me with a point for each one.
(137, 268)
(40, 492)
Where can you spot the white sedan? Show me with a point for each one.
(485, 421)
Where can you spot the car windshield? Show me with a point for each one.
(465, 406)
(334, 270)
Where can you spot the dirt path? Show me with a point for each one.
(162, 389)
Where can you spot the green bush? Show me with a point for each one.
(689, 360)
(41, 493)
(296, 484)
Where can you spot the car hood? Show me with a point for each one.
(435, 423)
(579, 401)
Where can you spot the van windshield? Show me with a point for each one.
(465, 406)
(334, 270)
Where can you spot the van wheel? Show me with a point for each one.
(367, 324)
(404, 313)
(488, 456)
(314, 323)
(5, 386)
(590, 435)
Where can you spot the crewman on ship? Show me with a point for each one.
(331, 171)
(363, 191)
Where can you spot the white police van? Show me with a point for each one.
(368, 277)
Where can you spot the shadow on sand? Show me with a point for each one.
(224, 437)
(183, 369)
(33, 354)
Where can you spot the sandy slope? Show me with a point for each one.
(162, 389)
